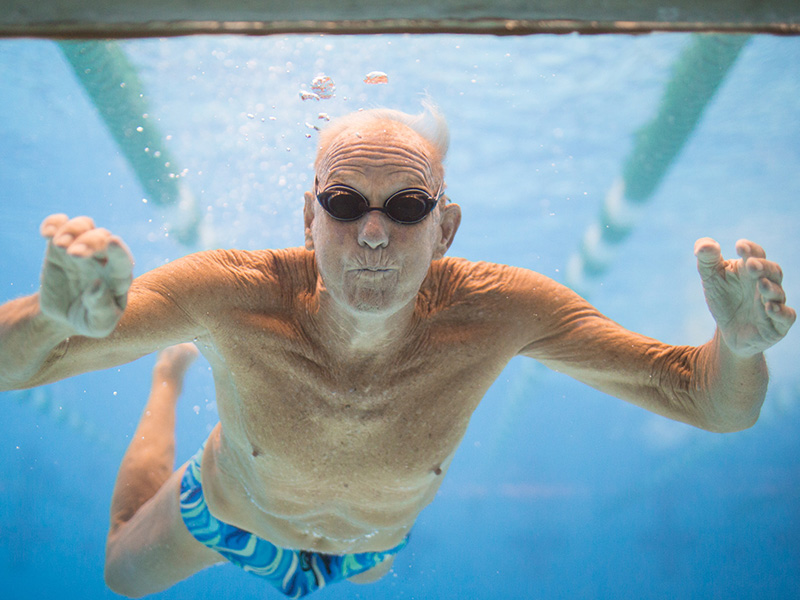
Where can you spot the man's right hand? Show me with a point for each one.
(86, 275)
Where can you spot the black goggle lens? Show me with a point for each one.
(343, 204)
(406, 206)
(409, 206)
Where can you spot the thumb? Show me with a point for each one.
(709, 257)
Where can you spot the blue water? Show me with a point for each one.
(557, 491)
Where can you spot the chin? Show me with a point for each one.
(375, 302)
(373, 307)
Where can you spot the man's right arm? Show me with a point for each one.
(85, 317)
(27, 339)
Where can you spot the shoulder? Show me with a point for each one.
(235, 273)
(286, 266)
(518, 306)
(498, 293)
(461, 280)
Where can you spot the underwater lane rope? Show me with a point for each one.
(696, 76)
(114, 87)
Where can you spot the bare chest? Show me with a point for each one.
(308, 413)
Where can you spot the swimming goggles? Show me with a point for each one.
(406, 207)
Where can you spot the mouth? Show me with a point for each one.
(372, 269)
(373, 272)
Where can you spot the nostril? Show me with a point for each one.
(373, 231)
(373, 242)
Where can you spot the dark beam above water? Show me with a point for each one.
(155, 18)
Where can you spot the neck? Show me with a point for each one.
(354, 332)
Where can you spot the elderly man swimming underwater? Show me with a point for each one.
(346, 372)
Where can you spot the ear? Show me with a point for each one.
(308, 219)
(448, 225)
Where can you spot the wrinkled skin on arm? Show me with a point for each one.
(719, 386)
(89, 315)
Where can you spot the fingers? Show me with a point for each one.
(70, 230)
(770, 291)
(79, 238)
(761, 269)
(773, 297)
(93, 242)
(747, 249)
(120, 261)
(782, 316)
(52, 224)
(769, 277)
(756, 264)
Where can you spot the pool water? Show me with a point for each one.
(557, 491)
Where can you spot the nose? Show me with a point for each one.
(373, 230)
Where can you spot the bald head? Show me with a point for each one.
(383, 141)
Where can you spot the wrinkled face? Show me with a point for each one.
(374, 264)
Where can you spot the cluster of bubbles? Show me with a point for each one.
(323, 87)
(322, 117)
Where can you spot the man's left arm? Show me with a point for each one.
(719, 386)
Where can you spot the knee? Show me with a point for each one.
(119, 577)
(119, 584)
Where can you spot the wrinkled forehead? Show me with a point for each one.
(385, 150)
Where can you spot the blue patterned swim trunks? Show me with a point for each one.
(293, 572)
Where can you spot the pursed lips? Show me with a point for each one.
(373, 270)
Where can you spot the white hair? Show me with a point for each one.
(430, 124)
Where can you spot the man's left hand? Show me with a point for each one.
(744, 296)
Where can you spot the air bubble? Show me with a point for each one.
(323, 86)
(376, 77)
(308, 96)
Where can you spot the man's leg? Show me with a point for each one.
(148, 547)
